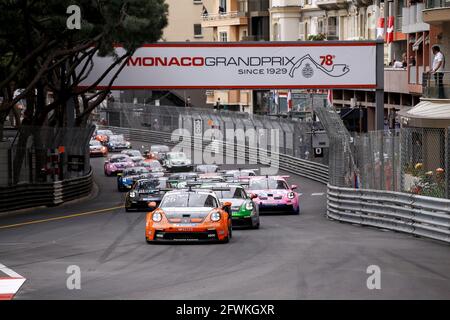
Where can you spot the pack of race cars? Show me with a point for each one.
(192, 203)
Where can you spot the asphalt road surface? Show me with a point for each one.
(290, 257)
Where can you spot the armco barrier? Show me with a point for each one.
(44, 194)
(418, 215)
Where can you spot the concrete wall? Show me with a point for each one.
(182, 17)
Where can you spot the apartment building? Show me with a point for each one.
(237, 20)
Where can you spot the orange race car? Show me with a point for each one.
(103, 136)
(189, 215)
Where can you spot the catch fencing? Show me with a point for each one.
(294, 135)
(33, 155)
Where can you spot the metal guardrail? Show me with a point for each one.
(44, 194)
(417, 215)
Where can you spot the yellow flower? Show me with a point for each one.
(429, 173)
(418, 166)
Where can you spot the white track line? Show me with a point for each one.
(317, 194)
(11, 284)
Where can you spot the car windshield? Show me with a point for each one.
(133, 153)
(153, 184)
(262, 184)
(159, 149)
(104, 132)
(183, 176)
(189, 199)
(207, 168)
(119, 159)
(242, 173)
(135, 171)
(116, 138)
(176, 156)
(154, 165)
(233, 193)
(95, 143)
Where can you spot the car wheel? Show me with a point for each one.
(127, 209)
(297, 212)
(256, 226)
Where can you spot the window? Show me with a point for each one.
(222, 6)
(198, 30)
(333, 31)
(223, 37)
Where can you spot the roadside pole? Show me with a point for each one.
(379, 91)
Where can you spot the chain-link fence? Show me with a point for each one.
(44, 154)
(414, 160)
(294, 136)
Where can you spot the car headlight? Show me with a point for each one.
(249, 205)
(132, 194)
(157, 217)
(215, 216)
(291, 195)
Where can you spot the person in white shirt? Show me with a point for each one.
(438, 69)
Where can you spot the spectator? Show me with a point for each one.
(412, 61)
(438, 69)
(397, 64)
(404, 61)
(188, 102)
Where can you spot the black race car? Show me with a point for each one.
(145, 191)
(128, 177)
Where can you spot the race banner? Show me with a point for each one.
(271, 65)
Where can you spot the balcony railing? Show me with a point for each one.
(436, 85)
(223, 16)
(433, 4)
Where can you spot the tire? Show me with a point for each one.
(297, 212)
(127, 209)
(256, 226)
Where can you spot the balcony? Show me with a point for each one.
(396, 80)
(436, 11)
(362, 3)
(435, 89)
(332, 4)
(233, 18)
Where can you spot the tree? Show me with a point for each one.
(40, 55)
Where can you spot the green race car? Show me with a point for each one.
(244, 211)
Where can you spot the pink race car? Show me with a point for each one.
(117, 163)
(274, 195)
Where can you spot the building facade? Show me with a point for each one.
(237, 20)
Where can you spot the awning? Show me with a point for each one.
(416, 44)
(427, 114)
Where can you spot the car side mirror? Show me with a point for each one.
(253, 196)
(294, 186)
(152, 205)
